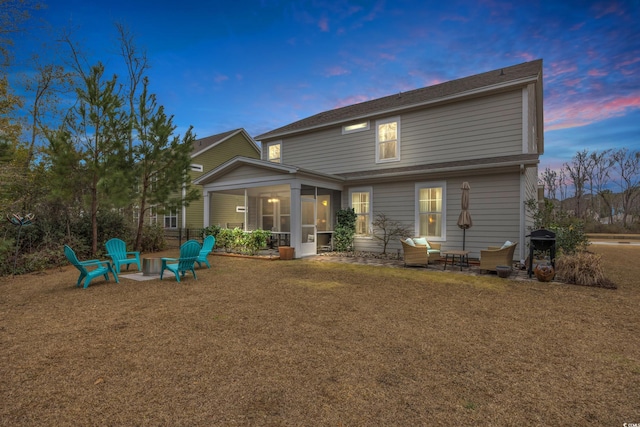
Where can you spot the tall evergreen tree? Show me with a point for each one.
(162, 161)
(97, 129)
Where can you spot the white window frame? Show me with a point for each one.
(171, 215)
(432, 184)
(369, 190)
(196, 167)
(271, 144)
(355, 127)
(398, 133)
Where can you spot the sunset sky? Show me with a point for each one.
(221, 65)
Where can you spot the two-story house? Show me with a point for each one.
(405, 155)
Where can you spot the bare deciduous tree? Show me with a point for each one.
(579, 171)
(626, 163)
(385, 229)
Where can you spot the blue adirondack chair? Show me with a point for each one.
(189, 252)
(207, 247)
(89, 269)
(117, 251)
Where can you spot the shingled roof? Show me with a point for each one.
(406, 100)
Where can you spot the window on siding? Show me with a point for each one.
(274, 152)
(196, 167)
(361, 204)
(171, 219)
(430, 210)
(356, 127)
(388, 140)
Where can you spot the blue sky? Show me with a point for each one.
(221, 65)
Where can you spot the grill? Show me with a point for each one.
(542, 241)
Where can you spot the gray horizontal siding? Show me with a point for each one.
(495, 208)
(478, 128)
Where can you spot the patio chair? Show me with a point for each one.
(117, 251)
(89, 269)
(494, 256)
(207, 247)
(417, 251)
(189, 252)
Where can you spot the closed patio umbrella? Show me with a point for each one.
(464, 220)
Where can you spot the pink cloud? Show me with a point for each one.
(559, 68)
(579, 113)
(611, 9)
(323, 24)
(336, 71)
(351, 100)
(387, 56)
(220, 78)
(577, 26)
(455, 18)
(597, 73)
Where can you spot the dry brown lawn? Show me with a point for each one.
(303, 343)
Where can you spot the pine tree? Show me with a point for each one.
(94, 134)
(162, 161)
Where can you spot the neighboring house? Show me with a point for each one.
(208, 153)
(404, 155)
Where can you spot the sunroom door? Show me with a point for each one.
(308, 211)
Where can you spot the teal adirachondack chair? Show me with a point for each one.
(117, 251)
(207, 247)
(90, 269)
(189, 252)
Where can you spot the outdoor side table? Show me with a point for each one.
(463, 258)
(151, 266)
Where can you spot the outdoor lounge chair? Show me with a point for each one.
(419, 254)
(117, 251)
(496, 255)
(207, 247)
(89, 269)
(189, 252)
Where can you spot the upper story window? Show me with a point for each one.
(274, 152)
(388, 140)
(196, 168)
(355, 127)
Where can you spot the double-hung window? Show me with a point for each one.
(360, 199)
(274, 152)
(388, 140)
(171, 219)
(431, 210)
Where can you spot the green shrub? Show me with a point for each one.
(224, 239)
(570, 231)
(255, 240)
(345, 229)
(237, 240)
(212, 230)
(153, 239)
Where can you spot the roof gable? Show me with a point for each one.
(203, 144)
(509, 76)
